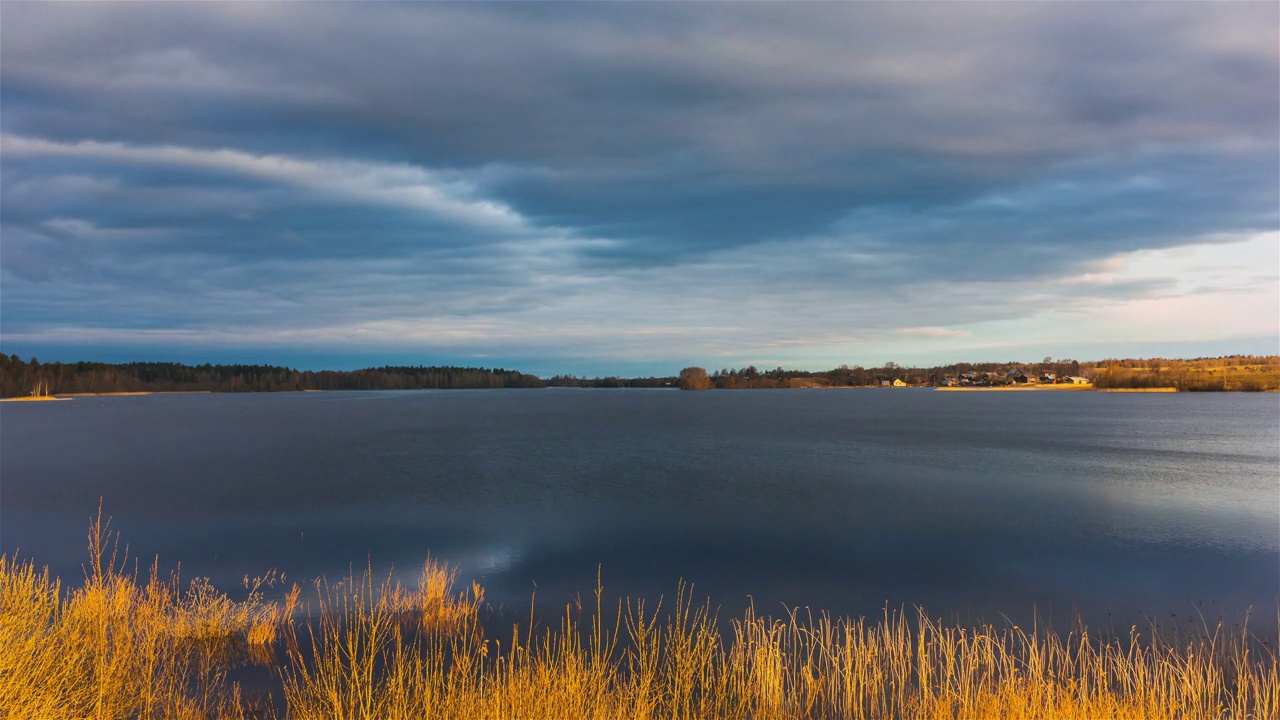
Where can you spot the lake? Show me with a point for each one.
(978, 506)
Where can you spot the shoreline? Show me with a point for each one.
(1021, 388)
(134, 393)
(72, 396)
(1001, 388)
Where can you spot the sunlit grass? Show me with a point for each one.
(1193, 376)
(117, 647)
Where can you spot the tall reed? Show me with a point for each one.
(116, 647)
(364, 648)
(640, 661)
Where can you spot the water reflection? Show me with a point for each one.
(972, 505)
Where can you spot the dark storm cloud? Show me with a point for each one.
(310, 165)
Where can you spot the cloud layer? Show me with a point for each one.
(621, 188)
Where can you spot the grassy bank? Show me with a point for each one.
(1191, 376)
(117, 647)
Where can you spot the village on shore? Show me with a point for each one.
(1013, 377)
(1226, 373)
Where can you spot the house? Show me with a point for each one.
(1017, 376)
(1048, 378)
(897, 382)
(886, 383)
(1075, 380)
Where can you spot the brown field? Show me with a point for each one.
(116, 647)
(1238, 373)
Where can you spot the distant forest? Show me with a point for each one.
(18, 378)
(612, 381)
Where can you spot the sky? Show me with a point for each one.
(628, 189)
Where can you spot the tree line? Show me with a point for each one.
(612, 381)
(18, 378)
(751, 377)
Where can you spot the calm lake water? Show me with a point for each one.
(976, 506)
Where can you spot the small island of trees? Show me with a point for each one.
(695, 378)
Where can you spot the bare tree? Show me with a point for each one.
(694, 378)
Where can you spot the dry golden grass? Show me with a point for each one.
(360, 649)
(1240, 373)
(677, 664)
(118, 648)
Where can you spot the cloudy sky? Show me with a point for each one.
(614, 188)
